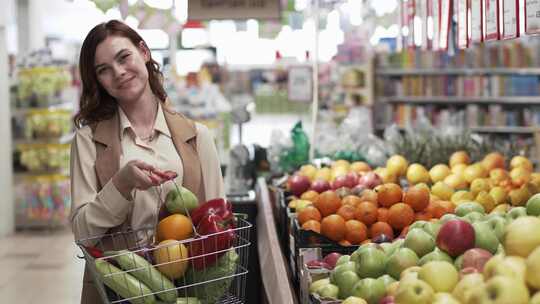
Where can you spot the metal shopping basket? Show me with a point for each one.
(211, 276)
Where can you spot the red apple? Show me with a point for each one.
(298, 184)
(317, 264)
(387, 300)
(320, 185)
(358, 189)
(331, 259)
(455, 237)
(339, 182)
(370, 180)
(352, 179)
(476, 258)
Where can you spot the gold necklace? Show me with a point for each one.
(150, 137)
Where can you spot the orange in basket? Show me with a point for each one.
(174, 227)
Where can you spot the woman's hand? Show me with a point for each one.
(137, 174)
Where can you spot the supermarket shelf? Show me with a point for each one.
(486, 129)
(22, 175)
(59, 106)
(457, 71)
(61, 140)
(510, 100)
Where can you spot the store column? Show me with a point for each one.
(7, 215)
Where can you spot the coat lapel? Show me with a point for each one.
(108, 149)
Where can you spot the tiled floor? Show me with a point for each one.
(40, 267)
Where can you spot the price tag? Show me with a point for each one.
(491, 14)
(462, 8)
(510, 19)
(477, 19)
(532, 17)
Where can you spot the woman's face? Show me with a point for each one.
(120, 68)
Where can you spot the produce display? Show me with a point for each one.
(47, 123)
(457, 232)
(42, 83)
(193, 258)
(43, 157)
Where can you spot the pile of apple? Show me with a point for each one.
(467, 257)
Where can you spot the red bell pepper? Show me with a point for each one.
(217, 206)
(94, 251)
(219, 234)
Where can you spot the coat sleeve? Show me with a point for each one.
(93, 211)
(210, 164)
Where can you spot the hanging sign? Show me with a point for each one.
(462, 24)
(491, 15)
(445, 24)
(233, 9)
(532, 17)
(477, 20)
(510, 19)
(300, 87)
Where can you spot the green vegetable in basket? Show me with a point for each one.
(124, 284)
(210, 293)
(189, 300)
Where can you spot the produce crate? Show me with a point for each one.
(133, 268)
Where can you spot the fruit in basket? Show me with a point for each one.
(414, 291)
(211, 292)
(417, 198)
(416, 173)
(174, 227)
(333, 227)
(171, 258)
(459, 157)
(476, 258)
(370, 180)
(328, 203)
(397, 165)
(455, 237)
(440, 275)
(500, 289)
(369, 289)
(521, 236)
(320, 185)
(402, 259)
(298, 184)
(419, 241)
(181, 200)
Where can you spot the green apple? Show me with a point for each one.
(414, 291)
(535, 298)
(432, 228)
(444, 298)
(318, 284)
(465, 208)
(440, 275)
(500, 290)
(386, 279)
(181, 200)
(419, 241)
(447, 217)
(417, 224)
(371, 263)
(409, 273)
(435, 255)
(533, 205)
(369, 289)
(402, 259)
(390, 248)
(516, 212)
(500, 196)
(343, 259)
(473, 217)
(484, 237)
(345, 281)
(458, 263)
(354, 300)
(533, 269)
(329, 291)
(341, 268)
(356, 254)
(466, 284)
(497, 224)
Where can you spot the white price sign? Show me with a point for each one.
(510, 19)
(491, 14)
(532, 17)
(300, 84)
(477, 20)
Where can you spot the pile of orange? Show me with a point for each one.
(388, 210)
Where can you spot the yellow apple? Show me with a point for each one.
(461, 196)
(458, 169)
(533, 269)
(459, 157)
(502, 208)
(499, 194)
(478, 185)
(520, 175)
(442, 190)
(324, 174)
(521, 161)
(360, 167)
(473, 172)
(485, 200)
(439, 172)
(397, 165)
(308, 171)
(416, 173)
(455, 181)
(498, 175)
(521, 237)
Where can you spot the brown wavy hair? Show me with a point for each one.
(95, 103)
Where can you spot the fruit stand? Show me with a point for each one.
(462, 231)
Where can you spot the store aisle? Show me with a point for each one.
(40, 267)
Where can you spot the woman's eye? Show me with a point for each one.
(124, 57)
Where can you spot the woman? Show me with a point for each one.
(127, 137)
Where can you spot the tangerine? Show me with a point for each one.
(436, 209)
(417, 197)
(448, 207)
(381, 228)
(174, 227)
(352, 200)
(312, 225)
(328, 203)
(333, 227)
(356, 231)
(346, 212)
(366, 212)
(388, 194)
(400, 215)
(382, 215)
(422, 216)
(369, 195)
(308, 213)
